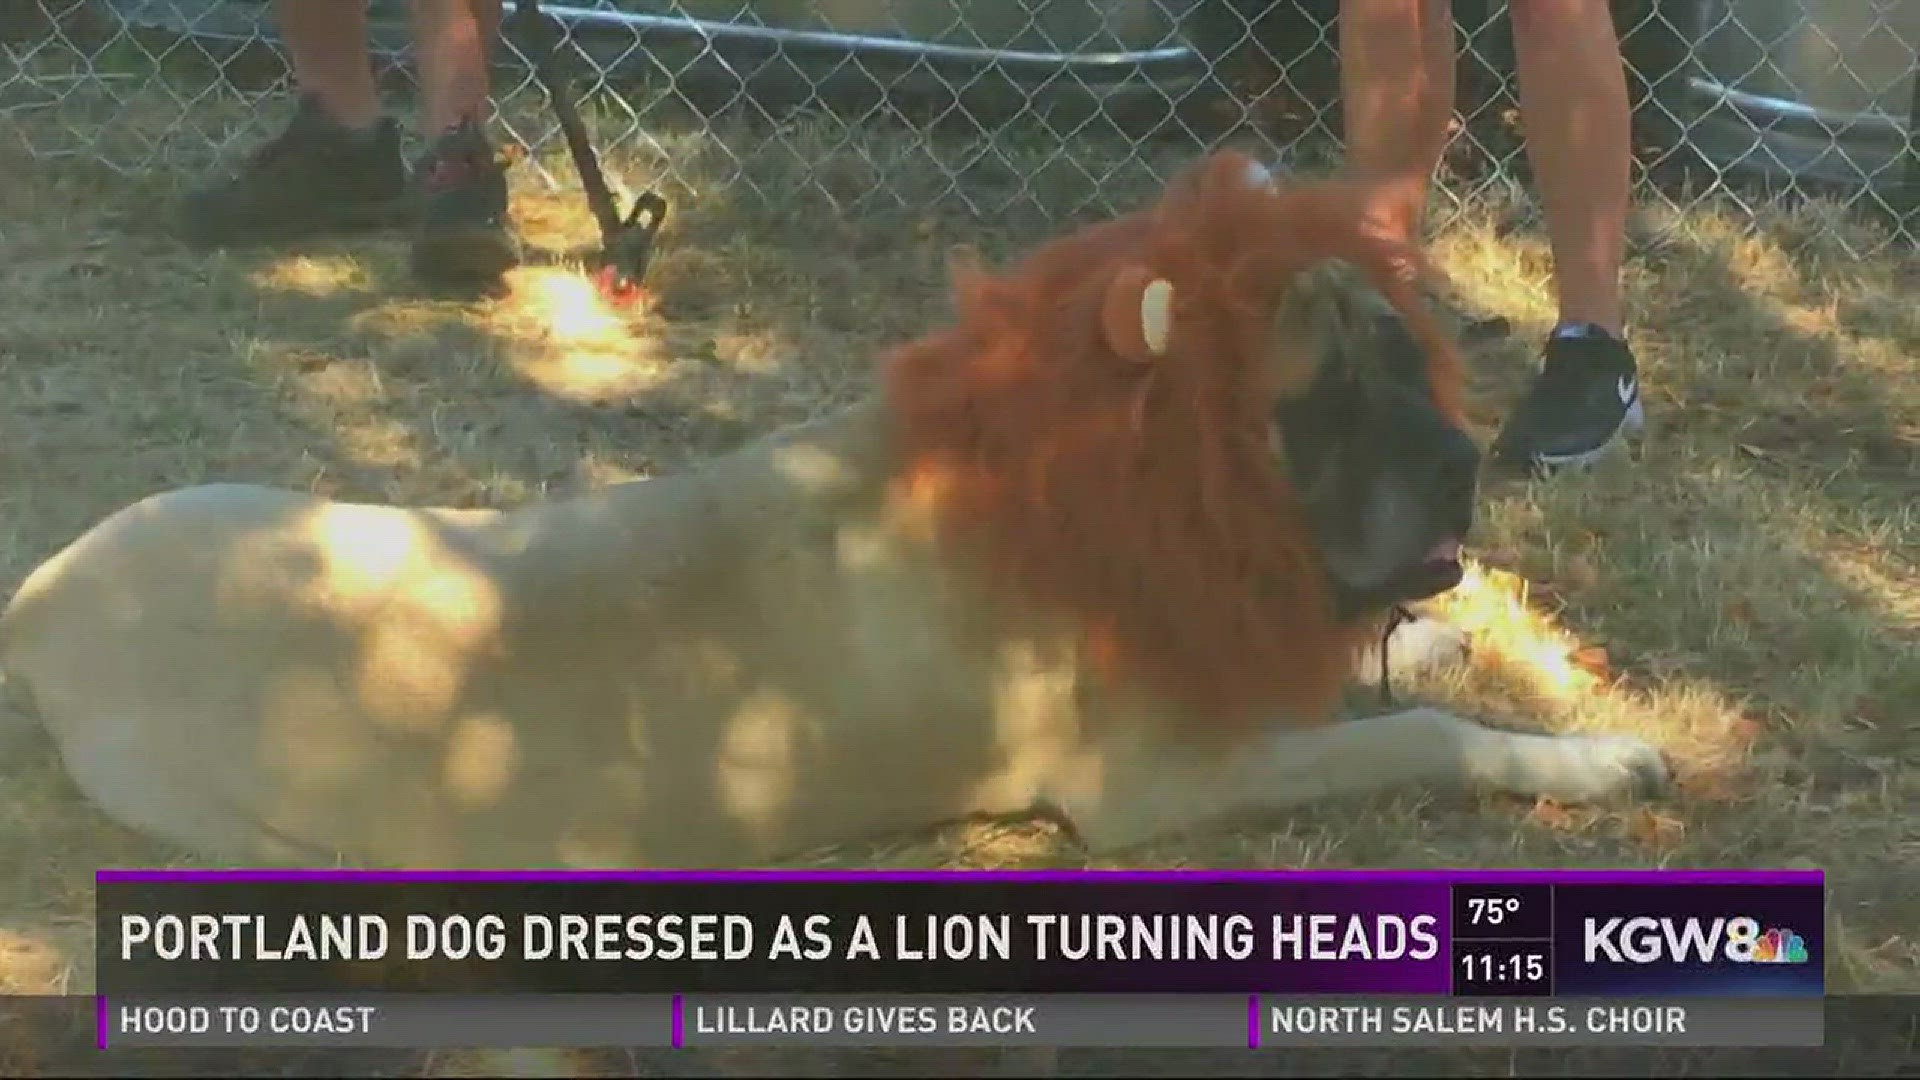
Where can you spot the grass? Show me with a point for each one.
(1745, 591)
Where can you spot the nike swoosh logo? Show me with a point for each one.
(1627, 386)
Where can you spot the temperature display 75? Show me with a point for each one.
(1502, 912)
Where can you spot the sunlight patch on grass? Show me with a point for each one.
(32, 963)
(1492, 605)
(313, 275)
(574, 345)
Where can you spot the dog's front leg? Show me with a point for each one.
(1140, 792)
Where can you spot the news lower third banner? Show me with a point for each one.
(968, 958)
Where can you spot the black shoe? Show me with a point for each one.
(462, 237)
(1586, 396)
(315, 178)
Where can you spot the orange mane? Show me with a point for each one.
(1137, 492)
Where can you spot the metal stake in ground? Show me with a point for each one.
(626, 243)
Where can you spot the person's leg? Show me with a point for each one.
(327, 42)
(1573, 98)
(463, 235)
(337, 164)
(1396, 88)
(452, 39)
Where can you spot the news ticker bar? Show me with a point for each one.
(1119, 1021)
(1493, 934)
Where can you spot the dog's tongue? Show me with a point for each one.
(1446, 551)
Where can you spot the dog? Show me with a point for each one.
(1105, 547)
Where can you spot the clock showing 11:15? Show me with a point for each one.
(1502, 968)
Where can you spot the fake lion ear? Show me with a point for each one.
(1137, 316)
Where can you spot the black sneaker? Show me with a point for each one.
(1586, 396)
(462, 237)
(315, 178)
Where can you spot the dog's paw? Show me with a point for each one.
(1604, 768)
(1420, 645)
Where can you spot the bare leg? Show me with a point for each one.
(1573, 96)
(1396, 87)
(328, 43)
(463, 237)
(453, 38)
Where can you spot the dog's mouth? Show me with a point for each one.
(1441, 569)
(1444, 554)
(1438, 571)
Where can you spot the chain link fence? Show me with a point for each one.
(1072, 105)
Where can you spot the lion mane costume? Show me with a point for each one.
(1055, 563)
(1134, 483)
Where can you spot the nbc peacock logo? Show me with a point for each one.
(1779, 946)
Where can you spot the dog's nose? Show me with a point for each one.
(1455, 469)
